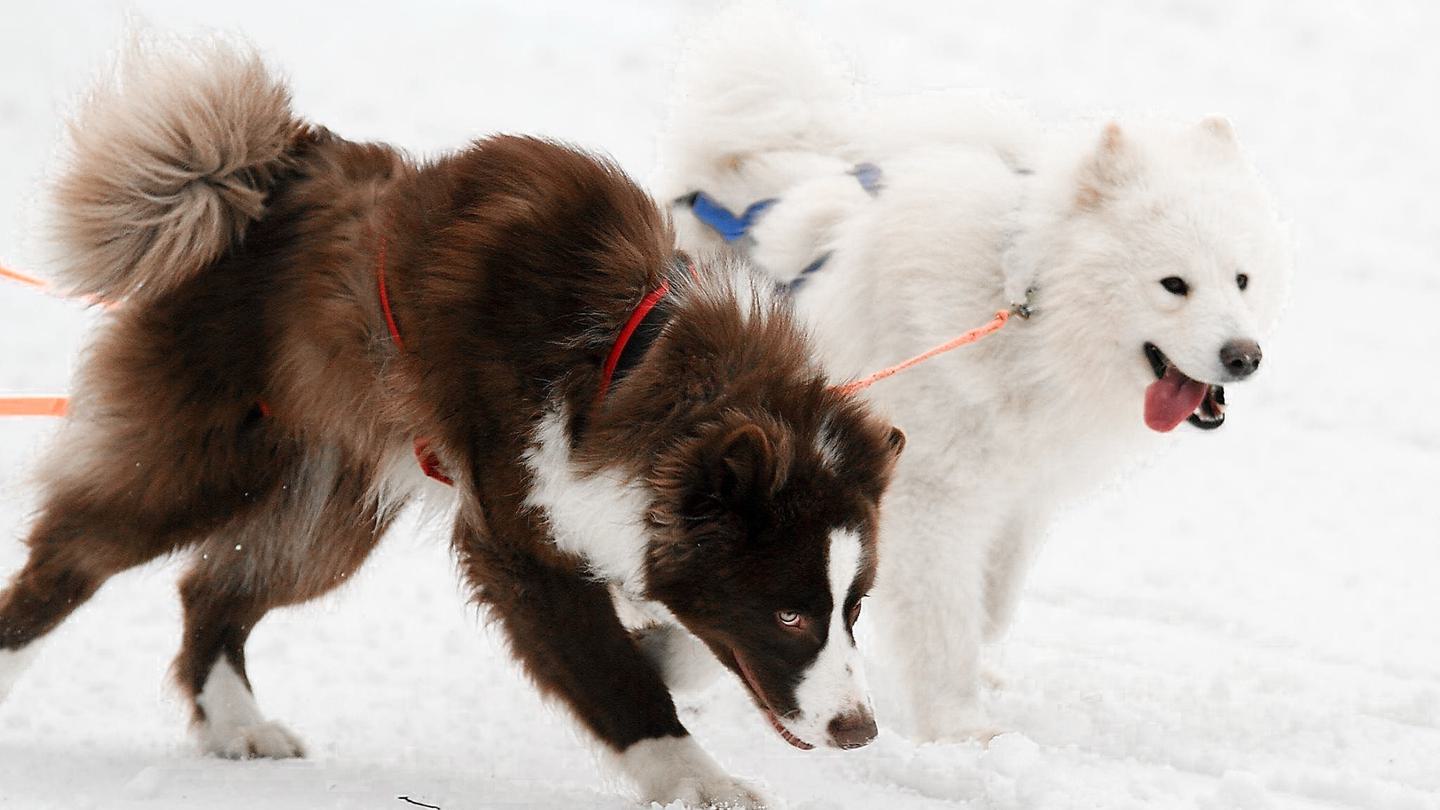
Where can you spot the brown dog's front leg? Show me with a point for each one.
(563, 627)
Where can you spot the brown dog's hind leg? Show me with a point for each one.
(219, 616)
(166, 443)
(62, 572)
(111, 505)
(302, 542)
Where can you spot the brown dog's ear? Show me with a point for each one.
(746, 465)
(743, 460)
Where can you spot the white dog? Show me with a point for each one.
(1151, 257)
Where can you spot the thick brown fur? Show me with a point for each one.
(255, 408)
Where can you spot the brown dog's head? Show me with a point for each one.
(767, 545)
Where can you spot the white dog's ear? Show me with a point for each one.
(1113, 165)
(1217, 137)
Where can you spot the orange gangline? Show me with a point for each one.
(46, 287)
(34, 406)
(15, 275)
(57, 406)
(30, 406)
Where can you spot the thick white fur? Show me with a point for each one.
(979, 202)
(233, 726)
(599, 516)
(171, 156)
(685, 663)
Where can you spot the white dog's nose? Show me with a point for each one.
(1240, 357)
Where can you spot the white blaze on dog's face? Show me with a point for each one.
(1194, 259)
(804, 670)
(832, 700)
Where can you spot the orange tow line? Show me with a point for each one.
(978, 333)
(34, 406)
(31, 281)
(1024, 309)
(30, 406)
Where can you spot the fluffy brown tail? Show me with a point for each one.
(171, 157)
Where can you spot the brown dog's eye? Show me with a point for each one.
(790, 619)
(854, 613)
(1242, 281)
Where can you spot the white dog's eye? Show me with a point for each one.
(790, 618)
(1175, 284)
(1242, 281)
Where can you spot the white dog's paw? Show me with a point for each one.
(966, 726)
(719, 792)
(982, 734)
(268, 740)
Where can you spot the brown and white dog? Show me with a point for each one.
(298, 309)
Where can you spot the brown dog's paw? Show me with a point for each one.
(268, 740)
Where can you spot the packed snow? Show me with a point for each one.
(1248, 622)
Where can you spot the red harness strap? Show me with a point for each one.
(385, 296)
(428, 459)
(607, 374)
(430, 462)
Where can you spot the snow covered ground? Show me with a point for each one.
(1250, 622)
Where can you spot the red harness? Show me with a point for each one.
(429, 460)
(427, 457)
(646, 304)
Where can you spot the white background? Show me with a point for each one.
(1249, 622)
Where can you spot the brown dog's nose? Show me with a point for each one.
(853, 730)
(1240, 358)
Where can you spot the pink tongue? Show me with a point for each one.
(1171, 399)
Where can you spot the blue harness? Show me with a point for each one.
(732, 227)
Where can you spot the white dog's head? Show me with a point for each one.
(1169, 246)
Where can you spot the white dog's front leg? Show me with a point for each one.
(930, 608)
(1010, 558)
(685, 663)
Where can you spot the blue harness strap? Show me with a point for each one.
(721, 219)
(732, 227)
(870, 177)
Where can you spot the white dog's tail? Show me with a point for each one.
(755, 81)
(171, 157)
(762, 110)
